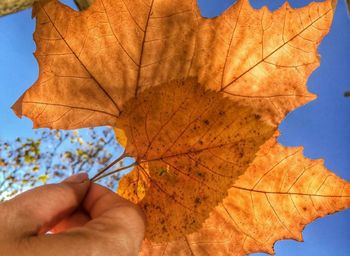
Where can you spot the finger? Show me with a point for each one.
(111, 217)
(114, 215)
(77, 219)
(100, 199)
(101, 202)
(37, 210)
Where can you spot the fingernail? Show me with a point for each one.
(77, 178)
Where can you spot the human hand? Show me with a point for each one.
(84, 219)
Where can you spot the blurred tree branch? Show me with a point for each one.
(84, 4)
(13, 6)
(347, 94)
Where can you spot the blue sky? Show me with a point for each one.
(321, 126)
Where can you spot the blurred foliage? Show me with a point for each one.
(347, 94)
(53, 155)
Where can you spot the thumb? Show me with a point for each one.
(36, 211)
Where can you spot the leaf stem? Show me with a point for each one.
(103, 170)
(112, 172)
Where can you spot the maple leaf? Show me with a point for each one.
(92, 62)
(253, 216)
(129, 64)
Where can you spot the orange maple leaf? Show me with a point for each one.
(92, 62)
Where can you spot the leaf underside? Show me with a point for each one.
(188, 154)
